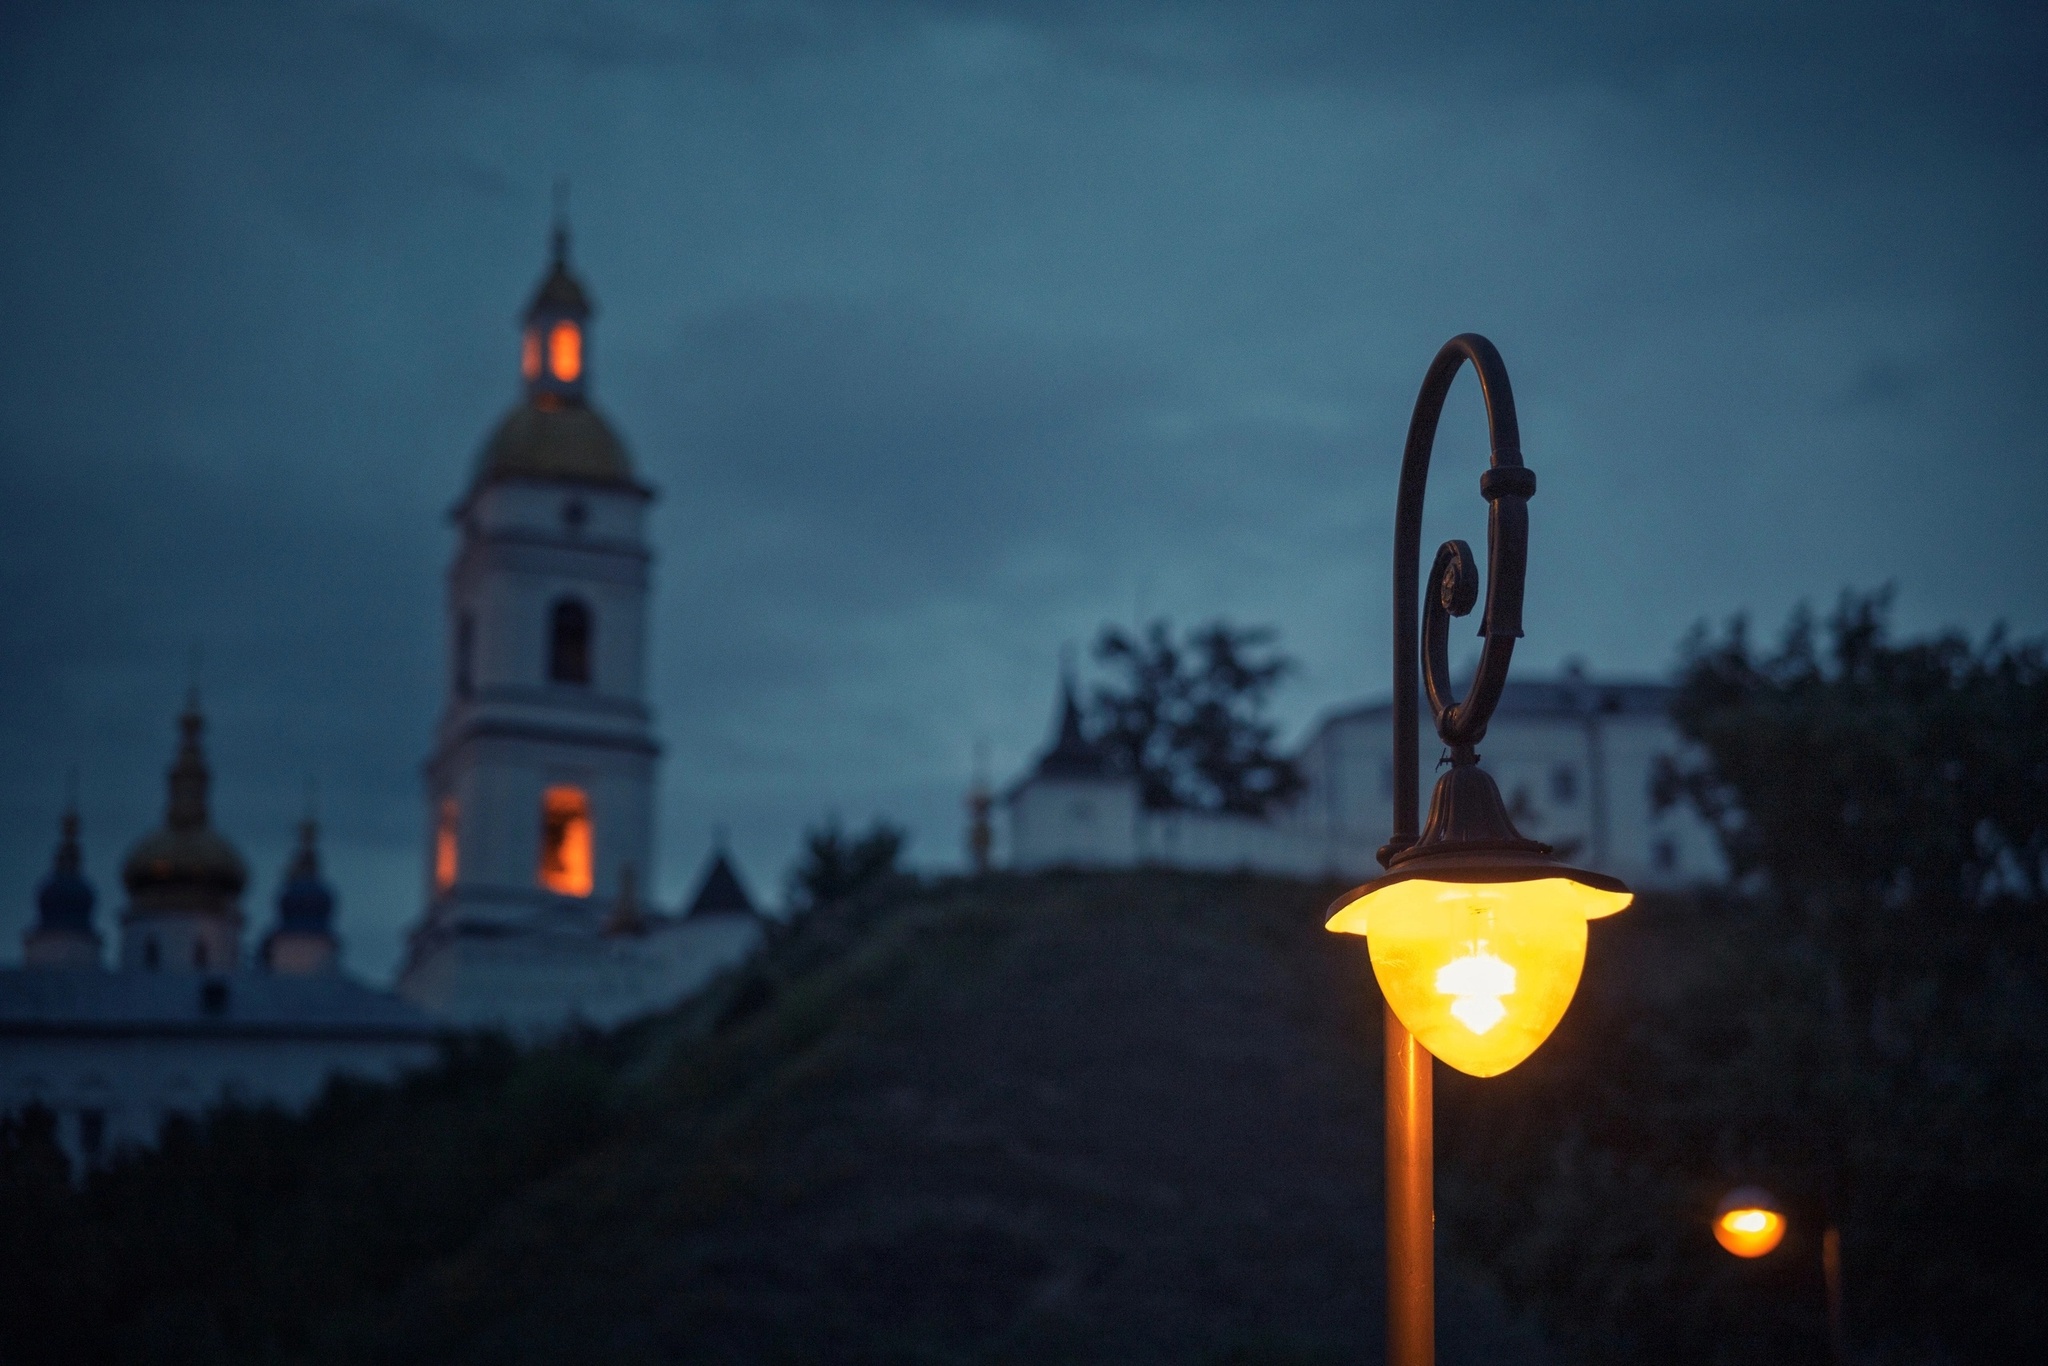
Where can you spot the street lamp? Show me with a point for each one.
(1477, 934)
(1749, 1222)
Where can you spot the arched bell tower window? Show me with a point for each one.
(569, 642)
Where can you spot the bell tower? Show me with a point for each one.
(539, 788)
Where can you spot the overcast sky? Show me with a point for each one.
(949, 333)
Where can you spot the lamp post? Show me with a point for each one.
(1477, 934)
(1749, 1223)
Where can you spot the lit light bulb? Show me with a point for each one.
(1475, 984)
(1748, 1223)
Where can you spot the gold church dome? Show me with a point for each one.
(186, 863)
(538, 440)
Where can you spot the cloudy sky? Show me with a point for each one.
(951, 332)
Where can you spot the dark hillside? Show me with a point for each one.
(1114, 1118)
(1063, 1119)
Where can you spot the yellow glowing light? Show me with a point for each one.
(565, 352)
(1749, 1232)
(1479, 972)
(529, 354)
(565, 845)
(447, 852)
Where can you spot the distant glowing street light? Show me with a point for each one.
(1749, 1222)
(1477, 934)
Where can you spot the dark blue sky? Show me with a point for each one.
(950, 332)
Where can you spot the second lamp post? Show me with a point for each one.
(1477, 934)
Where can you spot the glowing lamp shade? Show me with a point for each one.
(1479, 972)
(1748, 1222)
(565, 352)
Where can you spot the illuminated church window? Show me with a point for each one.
(569, 642)
(565, 352)
(529, 355)
(447, 853)
(565, 845)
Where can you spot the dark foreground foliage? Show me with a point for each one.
(1864, 1031)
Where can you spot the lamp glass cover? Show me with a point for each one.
(1749, 1232)
(1479, 972)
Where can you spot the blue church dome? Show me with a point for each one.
(65, 900)
(306, 903)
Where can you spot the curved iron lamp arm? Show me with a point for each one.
(1507, 486)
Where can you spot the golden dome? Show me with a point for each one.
(187, 863)
(542, 440)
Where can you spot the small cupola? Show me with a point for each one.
(63, 935)
(554, 346)
(303, 941)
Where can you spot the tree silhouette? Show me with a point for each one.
(1187, 719)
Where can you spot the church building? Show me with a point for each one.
(181, 1022)
(540, 787)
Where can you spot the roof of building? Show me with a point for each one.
(560, 291)
(720, 891)
(306, 903)
(186, 862)
(89, 1002)
(1072, 754)
(65, 899)
(540, 439)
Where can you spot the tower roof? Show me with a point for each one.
(568, 441)
(65, 900)
(306, 903)
(552, 432)
(720, 891)
(1073, 754)
(186, 864)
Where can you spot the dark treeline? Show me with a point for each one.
(1860, 1025)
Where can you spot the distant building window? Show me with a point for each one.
(565, 843)
(151, 954)
(465, 654)
(1564, 784)
(92, 1132)
(529, 355)
(199, 953)
(565, 352)
(569, 642)
(1665, 855)
(447, 849)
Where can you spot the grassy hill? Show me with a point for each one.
(1112, 1118)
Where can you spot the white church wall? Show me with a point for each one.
(1077, 823)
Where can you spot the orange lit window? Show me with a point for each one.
(565, 352)
(565, 841)
(529, 354)
(445, 856)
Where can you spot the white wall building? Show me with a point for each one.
(1575, 758)
(540, 787)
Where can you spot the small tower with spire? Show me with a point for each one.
(185, 880)
(63, 935)
(303, 940)
(1075, 808)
